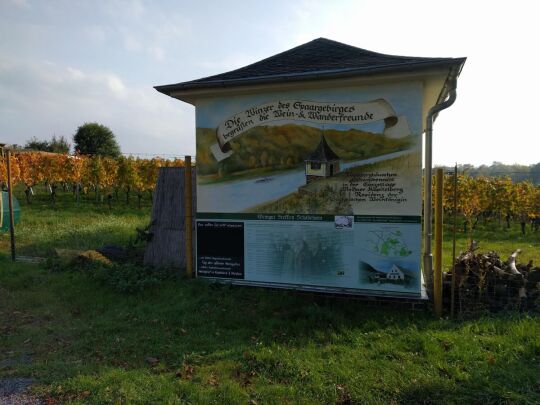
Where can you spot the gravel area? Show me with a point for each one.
(13, 391)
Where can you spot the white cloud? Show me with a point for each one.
(116, 86)
(75, 73)
(62, 98)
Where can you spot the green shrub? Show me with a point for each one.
(126, 277)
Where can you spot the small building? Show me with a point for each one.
(270, 108)
(322, 162)
(395, 273)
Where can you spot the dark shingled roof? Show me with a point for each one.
(318, 59)
(323, 152)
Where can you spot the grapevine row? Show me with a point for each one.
(487, 197)
(103, 175)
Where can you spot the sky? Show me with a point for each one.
(64, 63)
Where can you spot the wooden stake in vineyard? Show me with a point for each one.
(11, 213)
(437, 270)
(454, 228)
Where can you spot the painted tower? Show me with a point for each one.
(322, 162)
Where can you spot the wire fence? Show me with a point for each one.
(146, 155)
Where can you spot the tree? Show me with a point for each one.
(95, 139)
(55, 145)
(59, 145)
(36, 144)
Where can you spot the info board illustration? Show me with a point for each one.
(325, 187)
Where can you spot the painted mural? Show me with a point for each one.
(323, 186)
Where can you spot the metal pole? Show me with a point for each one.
(454, 230)
(11, 214)
(428, 256)
(437, 275)
(188, 195)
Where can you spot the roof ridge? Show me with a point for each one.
(356, 48)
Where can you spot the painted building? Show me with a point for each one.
(323, 162)
(395, 273)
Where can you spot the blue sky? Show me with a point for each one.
(63, 63)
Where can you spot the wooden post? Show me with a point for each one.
(188, 216)
(11, 214)
(437, 270)
(454, 228)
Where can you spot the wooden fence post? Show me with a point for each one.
(437, 269)
(454, 227)
(188, 216)
(10, 200)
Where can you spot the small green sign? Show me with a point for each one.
(4, 211)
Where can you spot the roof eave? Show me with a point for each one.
(401, 68)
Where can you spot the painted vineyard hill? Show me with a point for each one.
(267, 149)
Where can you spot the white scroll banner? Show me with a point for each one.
(309, 111)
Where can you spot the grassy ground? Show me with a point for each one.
(69, 226)
(190, 341)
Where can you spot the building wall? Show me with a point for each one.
(329, 166)
(317, 172)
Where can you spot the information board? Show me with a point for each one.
(312, 188)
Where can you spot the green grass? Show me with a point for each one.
(44, 227)
(86, 343)
(217, 344)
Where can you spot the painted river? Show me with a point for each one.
(238, 196)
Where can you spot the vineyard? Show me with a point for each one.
(492, 198)
(105, 177)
